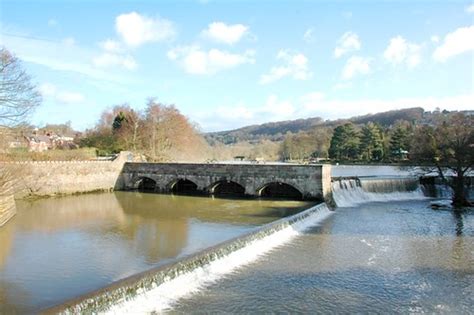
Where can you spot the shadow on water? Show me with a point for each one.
(459, 218)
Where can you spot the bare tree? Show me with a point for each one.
(168, 135)
(18, 96)
(449, 146)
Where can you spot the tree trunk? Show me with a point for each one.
(459, 196)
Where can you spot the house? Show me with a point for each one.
(39, 143)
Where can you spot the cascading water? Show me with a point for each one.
(348, 192)
(158, 289)
(435, 188)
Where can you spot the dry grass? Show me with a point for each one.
(82, 154)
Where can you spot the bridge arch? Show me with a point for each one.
(227, 188)
(183, 186)
(280, 190)
(145, 184)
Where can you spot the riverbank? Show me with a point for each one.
(39, 179)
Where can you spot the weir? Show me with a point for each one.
(158, 288)
(351, 191)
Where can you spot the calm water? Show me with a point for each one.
(394, 257)
(58, 248)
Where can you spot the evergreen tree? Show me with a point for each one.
(118, 120)
(345, 143)
(400, 140)
(371, 145)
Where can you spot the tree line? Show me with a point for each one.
(349, 142)
(159, 132)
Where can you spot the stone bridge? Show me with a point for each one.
(308, 182)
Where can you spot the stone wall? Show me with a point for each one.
(7, 205)
(50, 178)
(7, 202)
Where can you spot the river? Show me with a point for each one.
(383, 250)
(55, 249)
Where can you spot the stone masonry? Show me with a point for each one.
(313, 181)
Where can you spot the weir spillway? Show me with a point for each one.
(159, 288)
(307, 182)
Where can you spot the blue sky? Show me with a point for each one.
(227, 64)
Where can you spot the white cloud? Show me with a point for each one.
(273, 109)
(136, 29)
(309, 100)
(227, 34)
(110, 59)
(295, 65)
(342, 85)
(308, 36)
(276, 109)
(50, 91)
(455, 43)
(399, 51)
(349, 42)
(195, 60)
(69, 41)
(356, 66)
(239, 112)
(470, 9)
(111, 45)
(59, 56)
(434, 39)
(114, 54)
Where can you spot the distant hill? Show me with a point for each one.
(388, 118)
(276, 131)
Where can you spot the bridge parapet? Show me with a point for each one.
(312, 181)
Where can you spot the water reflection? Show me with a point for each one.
(58, 248)
(459, 222)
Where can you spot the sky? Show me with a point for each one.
(228, 64)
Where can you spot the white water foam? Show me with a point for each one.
(164, 296)
(348, 193)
